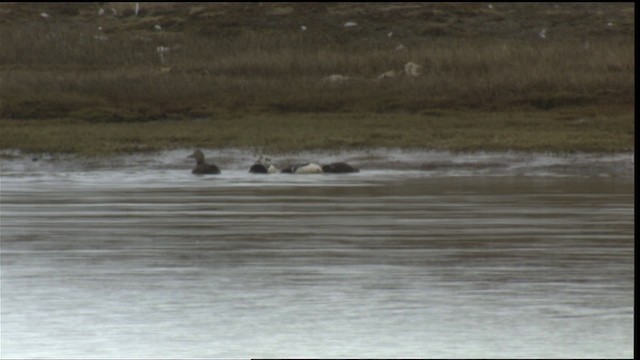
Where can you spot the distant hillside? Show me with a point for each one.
(458, 71)
(326, 21)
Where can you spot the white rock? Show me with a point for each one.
(543, 34)
(387, 75)
(412, 69)
(336, 78)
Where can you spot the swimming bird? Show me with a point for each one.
(303, 168)
(263, 166)
(201, 166)
(258, 168)
(339, 168)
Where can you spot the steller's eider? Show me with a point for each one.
(263, 166)
(339, 168)
(303, 168)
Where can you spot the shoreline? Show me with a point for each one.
(593, 129)
(394, 160)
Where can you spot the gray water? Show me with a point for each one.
(421, 254)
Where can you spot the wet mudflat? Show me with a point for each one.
(483, 256)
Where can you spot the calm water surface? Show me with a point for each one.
(418, 255)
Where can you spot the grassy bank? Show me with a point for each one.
(189, 74)
(574, 129)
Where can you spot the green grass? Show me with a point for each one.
(559, 131)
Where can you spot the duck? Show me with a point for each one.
(202, 167)
(258, 168)
(339, 168)
(303, 168)
(263, 166)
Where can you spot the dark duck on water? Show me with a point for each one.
(202, 167)
(339, 168)
(263, 166)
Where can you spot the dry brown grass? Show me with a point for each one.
(70, 66)
(287, 77)
(237, 59)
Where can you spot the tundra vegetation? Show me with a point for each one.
(103, 78)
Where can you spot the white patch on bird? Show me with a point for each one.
(309, 169)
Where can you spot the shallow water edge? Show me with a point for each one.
(433, 163)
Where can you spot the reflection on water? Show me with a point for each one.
(108, 262)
